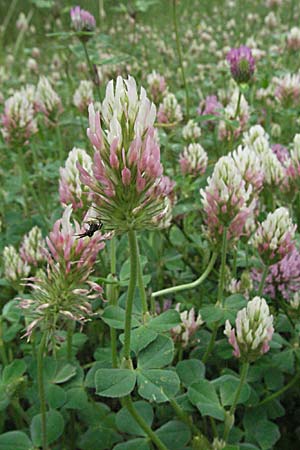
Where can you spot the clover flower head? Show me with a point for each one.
(71, 189)
(47, 100)
(15, 268)
(274, 238)
(31, 250)
(157, 86)
(242, 64)
(283, 277)
(255, 132)
(287, 89)
(293, 39)
(226, 201)
(193, 160)
(190, 324)
(18, 120)
(169, 110)
(83, 95)
(82, 20)
(127, 184)
(253, 330)
(248, 163)
(191, 131)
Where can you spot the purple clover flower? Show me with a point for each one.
(82, 20)
(242, 64)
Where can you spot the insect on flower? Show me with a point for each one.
(94, 225)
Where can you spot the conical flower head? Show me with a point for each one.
(274, 238)
(14, 267)
(193, 160)
(127, 183)
(253, 332)
(226, 201)
(71, 189)
(32, 246)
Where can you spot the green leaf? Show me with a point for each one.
(228, 388)
(211, 314)
(76, 398)
(54, 425)
(266, 434)
(174, 434)
(15, 440)
(114, 316)
(89, 381)
(12, 311)
(13, 371)
(190, 370)
(157, 385)
(114, 382)
(134, 444)
(158, 354)
(55, 396)
(140, 338)
(127, 424)
(165, 321)
(203, 395)
(100, 438)
(64, 373)
(284, 361)
(232, 305)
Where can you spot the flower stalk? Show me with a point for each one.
(41, 388)
(180, 58)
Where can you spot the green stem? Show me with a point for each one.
(219, 296)
(8, 16)
(244, 373)
(180, 58)
(211, 343)
(188, 420)
(3, 354)
(91, 69)
(223, 267)
(70, 331)
(60, 143)
(281, 391)
(133, 247)
(262, 281)
(142, 287)
(20, 37)
(234, 265)
(191, 285)
(41, 388)
(113, 301)
(237, 111)
(141, 422)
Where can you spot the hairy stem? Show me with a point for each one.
(141, 422)
(41, 387)
(192, 285)
(180, 58)
(243, 376)
(262, 281)
(133, 247)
